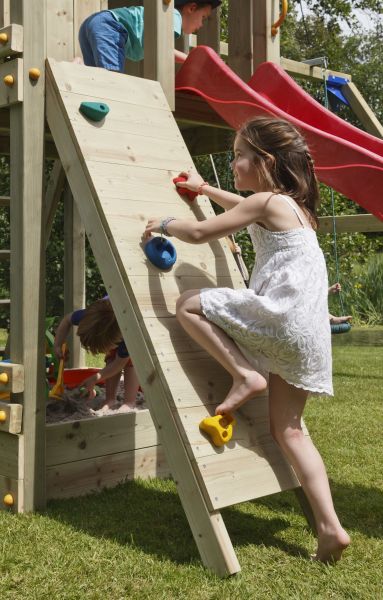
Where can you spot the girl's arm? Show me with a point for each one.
(195, 183)
(61, 335)
(179, 56)
(112, 368)
(248, 211)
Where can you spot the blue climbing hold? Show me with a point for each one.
(161, 252)
(95, 111)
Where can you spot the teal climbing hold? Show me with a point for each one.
(95, 111)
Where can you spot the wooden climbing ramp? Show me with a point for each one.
(120, 171)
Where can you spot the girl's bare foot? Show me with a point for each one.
(242, 390)
(332, 545)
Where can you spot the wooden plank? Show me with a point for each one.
(11, 417)
(13, 375)
(299, 69)
(10, 95)
(103, 85)
(28, 252)
(208, 528)
(8, 455)
(14, 45)
(60, 24)
(240, 33)
(360, 107)
(92, 438)
(265, 46)
(93, 475)
(5, 255)
(159, 46)
(350, 223)
(74, 273)
(210, 33)
(5, 17)
(145, 119)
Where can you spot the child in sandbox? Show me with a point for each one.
(108, 37)
(99, 332)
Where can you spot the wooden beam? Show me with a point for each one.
(5, 17)
(11, 377)
(28, 252)
(210, 33)
(11, 94)
(193, 109)
(53, 193)
(265, 46)
(74, 272)
(360, 107)
(299, 69)
(240, 57)
(14, 43)
(350, 224)
(159, 46)
(10, 417)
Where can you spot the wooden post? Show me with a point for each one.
(28, 252)
(4, 13)
(159, 46)
(210, 34)
(265, 46)
(74, 272)
(240, 57)
(362, 110)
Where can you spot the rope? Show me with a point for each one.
(334, 232)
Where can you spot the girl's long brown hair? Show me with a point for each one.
(283, 158)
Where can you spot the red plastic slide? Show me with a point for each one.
(346, 158)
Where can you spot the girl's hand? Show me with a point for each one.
(89, 385)
(335, 288)
(193, 180)
(57, 350)
(152, 226)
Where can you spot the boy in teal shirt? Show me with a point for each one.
(108, 37)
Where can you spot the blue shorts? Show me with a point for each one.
(102, 40)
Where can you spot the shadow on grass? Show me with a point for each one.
(153, 521)
(359, 508)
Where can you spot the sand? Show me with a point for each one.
(74, 407)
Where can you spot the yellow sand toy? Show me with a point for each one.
(219, 428)
(57, 391)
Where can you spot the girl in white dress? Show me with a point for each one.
(277, 332)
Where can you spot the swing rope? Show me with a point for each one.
(340, 327)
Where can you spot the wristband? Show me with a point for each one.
(199, 190)
(164, 226)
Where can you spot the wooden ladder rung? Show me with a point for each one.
(5, 200)
(4, 301)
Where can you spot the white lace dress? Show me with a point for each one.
(281, 322)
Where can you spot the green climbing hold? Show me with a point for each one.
(95, 111)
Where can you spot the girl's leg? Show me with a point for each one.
(131, 385)
(286, 407)
(247, 383)
(106, 38)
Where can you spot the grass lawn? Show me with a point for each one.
(134, 541)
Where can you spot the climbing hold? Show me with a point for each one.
(3, 416)
(219, 428)
(8, 500)
(3, 38)
(161, 252)
(183, 191)
(34, 74)
(9, 80)
(95, 111)
(4, 378)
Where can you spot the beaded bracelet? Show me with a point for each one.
(199, 189)
(164, 226)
